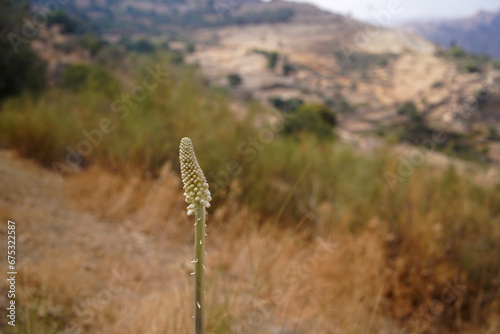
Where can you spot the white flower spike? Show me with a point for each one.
(198, 197)
(195, 183)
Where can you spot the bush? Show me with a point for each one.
(288, 68)
(409, 109)
(286, 106)
(110, 56)
(80, 77)
(175, 57)
(142, 46)
(234, 80)
(61, 18)
(339, 104)
(39, 129)
(493, 133)
(269, 16)
(92, 43)
(360, 62)
(272, 60)
(415, 130)
(75, 77)
(481, 97)
(190, 47)
(457, 52)
(313, 118)
(466, 61)
(471, 65)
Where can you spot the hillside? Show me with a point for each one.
(353, 173)
(279, 51)
(365, 73)
(477, 33)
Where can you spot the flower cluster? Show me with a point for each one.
(195, 183)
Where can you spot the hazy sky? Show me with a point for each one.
(410, 9)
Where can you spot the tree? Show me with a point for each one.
(69, 25)
(21, 68)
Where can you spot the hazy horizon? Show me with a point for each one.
(367, 10)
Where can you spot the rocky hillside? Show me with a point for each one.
(477, 33)
(365, 72)
(278, 51)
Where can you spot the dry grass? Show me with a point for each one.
(106, 274)
(109, 254)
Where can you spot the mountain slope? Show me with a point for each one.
(283, 50)
(478, 33)
(332, 57)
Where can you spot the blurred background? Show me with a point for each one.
(352, 151)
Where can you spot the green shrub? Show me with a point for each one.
(290, 105)
(75, 77)
(466, 61)
(38, 129)
(288, 69)
(312, 118)
(481, 97)
(269, 16)
(471, 65)
(110, 56)
(92, 43)
(493, 133)
(190, 47)
(496, 64)
(125, 42)
(409, 109)
(175, 58)
(61, 18)
(139, 140)
(360, 62)
(339, 104)
(234, 79)
(272, 60)
(142, 46)
(80, 77)
(457, 52)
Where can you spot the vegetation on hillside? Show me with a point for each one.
(21, 68)
(118, 16)
(124, 114)
(415, 130)
(443, 226)
(466, 61)
(361, 63)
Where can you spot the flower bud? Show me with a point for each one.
(195, 183)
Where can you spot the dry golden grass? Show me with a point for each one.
(102, 253)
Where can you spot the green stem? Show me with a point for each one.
(199, 270)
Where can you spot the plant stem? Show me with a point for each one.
(199, 270)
